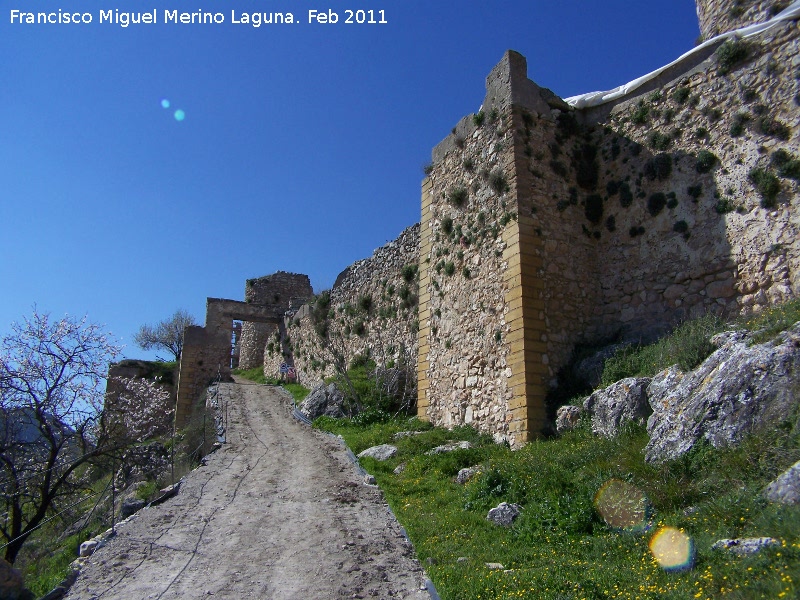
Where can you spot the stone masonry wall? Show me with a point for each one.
(282, 289)
(544, 227)
(384, 326)
(721, 16)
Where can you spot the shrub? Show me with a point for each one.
(567, 125)
(625, 195)
(680, 227)
(786, 164)
(447, 225)
(427, 169)
(767, 185)
(681, 94)
(640, 114)
(731, 54)
(656, 203)
(773, 128)
(636, 231)
(659, 141)
(449, 268)
(706, 161)
(584, 161)
(593, 208)
(737, 125)
(558, 168)
(365, 303)
(497, 181)
(724, 205)
(479, 118)
(458, 196)
(695, 191)
(468, 164)
(658, 167)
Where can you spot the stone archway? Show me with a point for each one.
(207, 350)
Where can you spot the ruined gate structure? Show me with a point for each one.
(207, 350)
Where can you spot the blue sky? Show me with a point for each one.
(301, 148)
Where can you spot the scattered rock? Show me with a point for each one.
(504, 514)
(87, 548)
(786, 488)
(323, 401)
(567, 418)
(382, 452)
(403, 434)
(131, 506)
(738, 390)
(12, 586)
(622, 402)
(464, 475)
(745, 546)
(449, 448)
(399, 468)
(370, 479)
(495, 566)
(461, 559)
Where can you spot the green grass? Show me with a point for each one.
(560, 547)
(256, 374)
(689, 344)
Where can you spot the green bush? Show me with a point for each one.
(593, 209)
(659, 167)
(656, 203)
(659, 141)
(479, 118)
(731, 54)
(640, 114)
(458, 196)
(681, 94)
(767, 185)
(787, 164)
(706, 161)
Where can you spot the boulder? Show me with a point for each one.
(452, 447)
(786, 488)
(131, 506)
(87, 548)
(382, 452)
(567, 418)
(323, 401)
(504, 514)
(12, 586)
(464, 475)
(622, 402)
(738, 390)
(399, 468)
(745, 546)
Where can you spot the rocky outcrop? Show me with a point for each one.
(745, 546)
(382, 452)
(323, 401)
(567, 418)
(622, 402)
(504, 514)
(738, 390)
(452, 447)
(786, 488)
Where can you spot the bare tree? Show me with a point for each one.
(52, 420)
(165, 335)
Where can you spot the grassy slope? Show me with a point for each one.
(560, 547)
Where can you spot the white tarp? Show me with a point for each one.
(598, 98)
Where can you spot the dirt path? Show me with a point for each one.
(278, 512)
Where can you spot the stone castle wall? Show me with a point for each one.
(721, 16)
(544, 228)
(383, 327)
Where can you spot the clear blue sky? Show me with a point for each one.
(301, 148)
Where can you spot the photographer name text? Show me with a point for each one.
(199, 17)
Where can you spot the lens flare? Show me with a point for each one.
(673, 549)
(180, 115)
(623, 506)
(165, 103)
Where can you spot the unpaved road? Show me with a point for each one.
(278, 512)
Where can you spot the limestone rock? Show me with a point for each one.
(567, 418)
(12, 586)
(131, 506)
(370, 479)
(619, 403)
(504, 514)
(738, 390)
(87, 548)
(745, 546)
(495, 566)
(323, 401)
(399, 468)
(786, 488)
(464, 475)
(382, 452)
(449, 448)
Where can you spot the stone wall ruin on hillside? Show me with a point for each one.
(544, 227)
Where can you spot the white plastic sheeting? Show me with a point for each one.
(598, 98)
